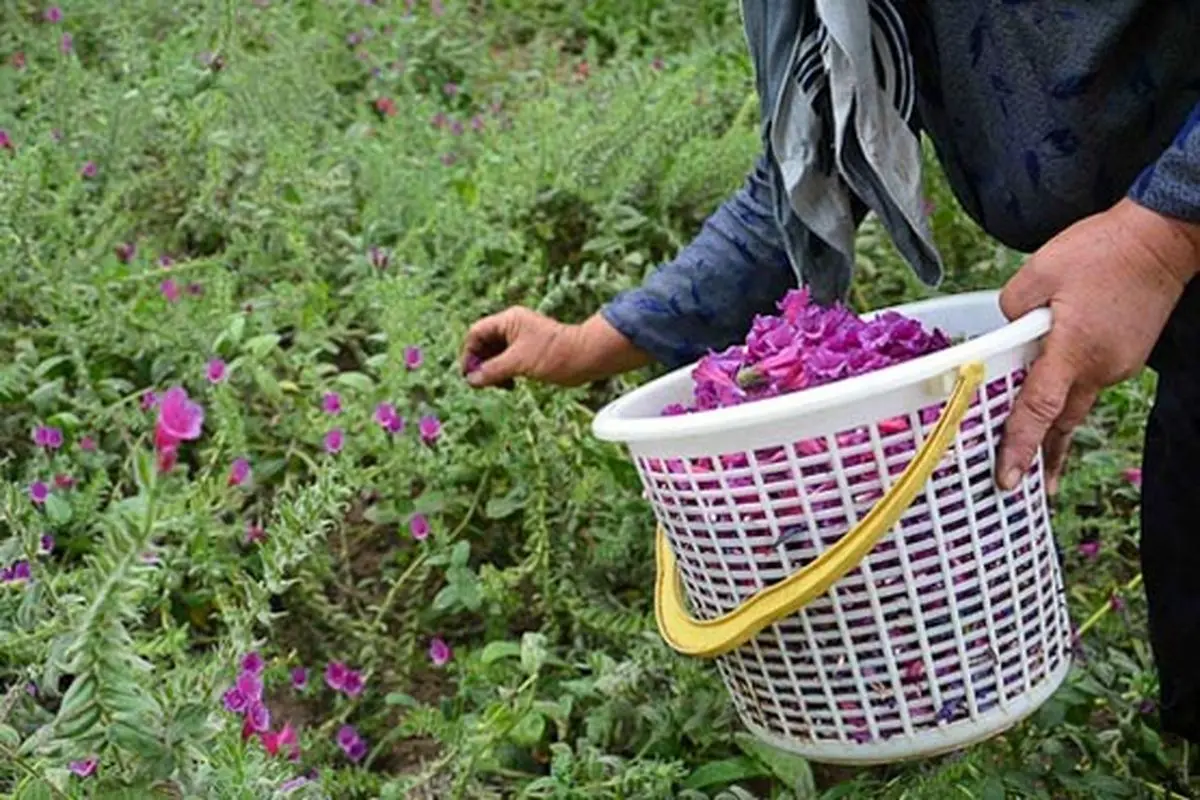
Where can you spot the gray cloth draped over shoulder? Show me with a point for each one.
(837, 89)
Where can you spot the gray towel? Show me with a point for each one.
(835, 78)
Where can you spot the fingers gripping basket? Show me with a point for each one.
(911, 607)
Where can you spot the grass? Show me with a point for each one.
(247, 141)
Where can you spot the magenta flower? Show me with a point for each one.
(47, 437)
(430, 428)
(477, 123)
(179, 419)
(353, 683)
(31, 689)
(89, 169)
(388, 419)
(1116, 602)
(54, 14)
(38, 492)
(448, 159)
(255, 533)
(439, 652)
(379, 257)
(334, 441)
(215, 370)
(657, 64)
(125, 252)
(258, 717)
(234, 701)
(85, 768)
(87, 444)
(170, 290)
(1089, 550)
(239, 472)
(351, 743)
(63, 481)
(19, 572)
(46, 544)
(6, 142)
(450, 88)
(1134, 476)
(165, 261)
(66, 44)
(165, 458)
(456, 128)
(285, 739)
(149, 399)
(331, 403)
(253, 663)
(299, 678)
(250, 685)
(195, 289)
(335, 675)
(472, 364)
(437, 7)
(418, 526)
(413, 357)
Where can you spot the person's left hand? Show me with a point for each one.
(1111, 281)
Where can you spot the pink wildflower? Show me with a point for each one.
(46, 544)
(63, 481)
(149, 399)
(6, 142)
(66, 44)
(253, 663)
(413, 357)
(418, 526)
(166, 458)
(165, 261)
(18, 60)
(450, 89)
(87, 444)
(379, 257)
(179, 419)
(85, 768)
(1089, 550)
(170, 290)
(38, 492)
(477, 123)
(215, 370)
(239, 471)
(386, 106)
(48, 437)
(89, 169)
(285, 739)
(331, 403)
(351, 743)
(299, 678)
(1116, 602)
(439, 652)
(448, 159)
(54, 14)
(125, 252)
(334, 441)
(1134, 476)
(254, 533)
(195, 289)
(456, 128)
(388, 419)
(430, 428)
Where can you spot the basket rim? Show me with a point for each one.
(613, 422)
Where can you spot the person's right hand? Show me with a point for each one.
(519, 342)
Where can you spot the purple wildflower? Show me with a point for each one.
(351, 743)
(331, 403)
(379, 257)
(450, 89)
(1089, 550)
(334, 440)
(353, 683)
(388, 418)
(54, 14)
(48, 437)
(215, 370)
(235, 702)
(165, 261)
(125, 252)
(46, 544)
(18, 572)
(439, 652)
(335, 675)
(149, 399)
(66, 44)
(477, 123)
(254, 533)
(195, 289)
(38, 492)
(6, 142)
(170, 290)
(239, 472)
(413, 357)
(31, 689)
(430, 428)
(253, 663)
(87, 444)
(85, 768)
(299, 678)
(418, 526)
(258, 717)
(89, 169)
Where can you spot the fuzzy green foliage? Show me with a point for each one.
(247, 142)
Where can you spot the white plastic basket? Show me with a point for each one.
(913, 608)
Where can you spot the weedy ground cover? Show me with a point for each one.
(259, 539)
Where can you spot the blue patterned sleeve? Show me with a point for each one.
(1171, 185)
(708, 296)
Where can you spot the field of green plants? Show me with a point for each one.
(258, 537)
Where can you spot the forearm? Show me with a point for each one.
(708, 296)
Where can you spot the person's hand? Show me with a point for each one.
(1111, 281)
(519, 342)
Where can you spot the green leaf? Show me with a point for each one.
(533, 652)
(9, 736)
(792, 770)
(43, 369)
(461, 553)
(529, 730)
(1052, 714)
(64, 419)
(993, 789)
(721, 773)
(356, 381)
(260, 345)
(58, 510)
(506, 506)
(446, 598)
(401, 699)
(34, 789)
(237, 329)
(494, 651)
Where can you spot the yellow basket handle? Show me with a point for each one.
(715, 637)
